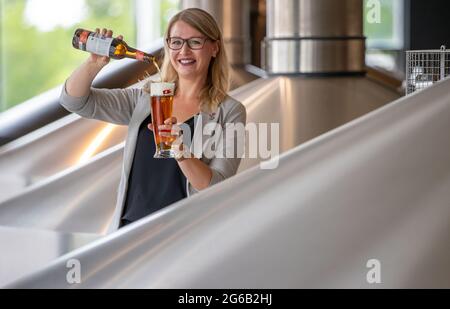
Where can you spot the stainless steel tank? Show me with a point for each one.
(372, 193)
(314, 58)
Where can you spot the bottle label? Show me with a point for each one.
(99, 46)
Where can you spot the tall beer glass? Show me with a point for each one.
(162, 106)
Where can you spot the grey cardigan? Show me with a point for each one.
(131, 107)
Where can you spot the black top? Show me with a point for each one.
(153, 183)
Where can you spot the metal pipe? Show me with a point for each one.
(314, 37)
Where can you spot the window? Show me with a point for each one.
(385, 31)
(384, 24)
(36, 52)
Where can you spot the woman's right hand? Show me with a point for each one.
(80, 82)
(102, 61)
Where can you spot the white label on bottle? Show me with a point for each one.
(99, 46)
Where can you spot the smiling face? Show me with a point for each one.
(188, 63)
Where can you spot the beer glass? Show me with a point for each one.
(162, 106)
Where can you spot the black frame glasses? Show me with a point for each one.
(193, 43)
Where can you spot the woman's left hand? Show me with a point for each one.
(171, 130)
(174, 134)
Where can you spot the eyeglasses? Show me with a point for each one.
(193, 43)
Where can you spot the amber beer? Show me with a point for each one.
(162, 107)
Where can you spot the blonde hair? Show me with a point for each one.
(217, 84)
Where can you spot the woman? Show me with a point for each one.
(196, 62)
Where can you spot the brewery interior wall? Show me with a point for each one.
(429, 24)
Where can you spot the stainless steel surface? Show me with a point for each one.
(81, 199)
(78, 200)
(236, 30)
(314, 36)
(306, 108)
(52, 149)
(30, 115)
(293, 56)
(313, 42)
(376, 188)
(239, 76)
(44, 109)
(26, 250)
(314, 18)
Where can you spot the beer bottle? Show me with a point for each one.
(114, 48)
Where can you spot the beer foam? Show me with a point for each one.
(162, 89)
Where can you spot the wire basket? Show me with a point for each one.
(426, 67)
